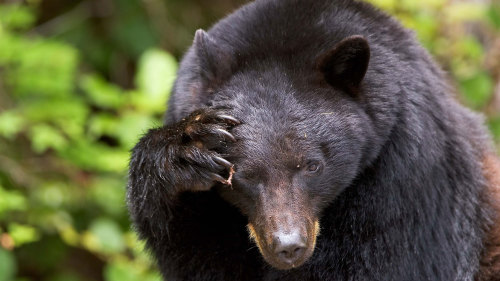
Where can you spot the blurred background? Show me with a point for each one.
(81, 80)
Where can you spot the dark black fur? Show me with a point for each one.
(400, 194)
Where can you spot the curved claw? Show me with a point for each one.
(226, 134)
(231, 119)
(223, 162)
(219, 178)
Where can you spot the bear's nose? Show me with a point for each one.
(289, 247)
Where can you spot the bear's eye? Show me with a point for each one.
(313, 167)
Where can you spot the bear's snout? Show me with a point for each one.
(285, 247)
(289, 248)
(283, 224)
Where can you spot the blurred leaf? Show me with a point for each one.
(102, 93)
(142, 103)
(102, 124)
(465, 11)
(8, 46)
(494, 125)
(494, 15)
(96, 157)
(16, 16)
(156, 75)
(43, 68)
(434, 4)
(56, 194)
(69, 235)
(472, 48)
(108, 236)
(425, 25)
(138, 248)
(477, 89)
(68, 114)
(11, 123)
(121, 270)
(8, 265)
(54, 109)
(11, 200)
(44, 137)
(385, 4)
(109, 193)
(132, 126)
(23, 234)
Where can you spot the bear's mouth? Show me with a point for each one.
(285, 248)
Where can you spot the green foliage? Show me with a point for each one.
(7, 265)
(78, 89)
(442, 27)
(494, 15)
(458, 34)
(11, 201)
(67, 133)
(494, 124)
(22, 234)
(106, 236)
(477, 89)
(16, 16)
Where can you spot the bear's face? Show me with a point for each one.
(302, 140)
(292, 157)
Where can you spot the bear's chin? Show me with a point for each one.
(273, 261)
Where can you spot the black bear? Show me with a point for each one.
(316, 140)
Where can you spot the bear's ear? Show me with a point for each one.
(215, 63)
(345, 65)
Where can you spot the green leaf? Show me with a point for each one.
(142, 103)
(109, 193)
(9, 47)
(96, 156)
(471, 48)
(156, 75)
(426, 26)
(44, 137)
(494, 125)
(385, 4)
(43, 68)
(8, 266)
(477, 89)
(465, 11)
(132, 126)
(102, 124)
(10, 201)
(109, 236)
(69, 115)
(16, 16)
(11, 123)
(121, 270)
(23, 234)
(56, 195)
(494, 15)
(102, 93)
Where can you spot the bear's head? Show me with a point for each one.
(304, 137)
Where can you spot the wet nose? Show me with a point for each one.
(290, 247)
